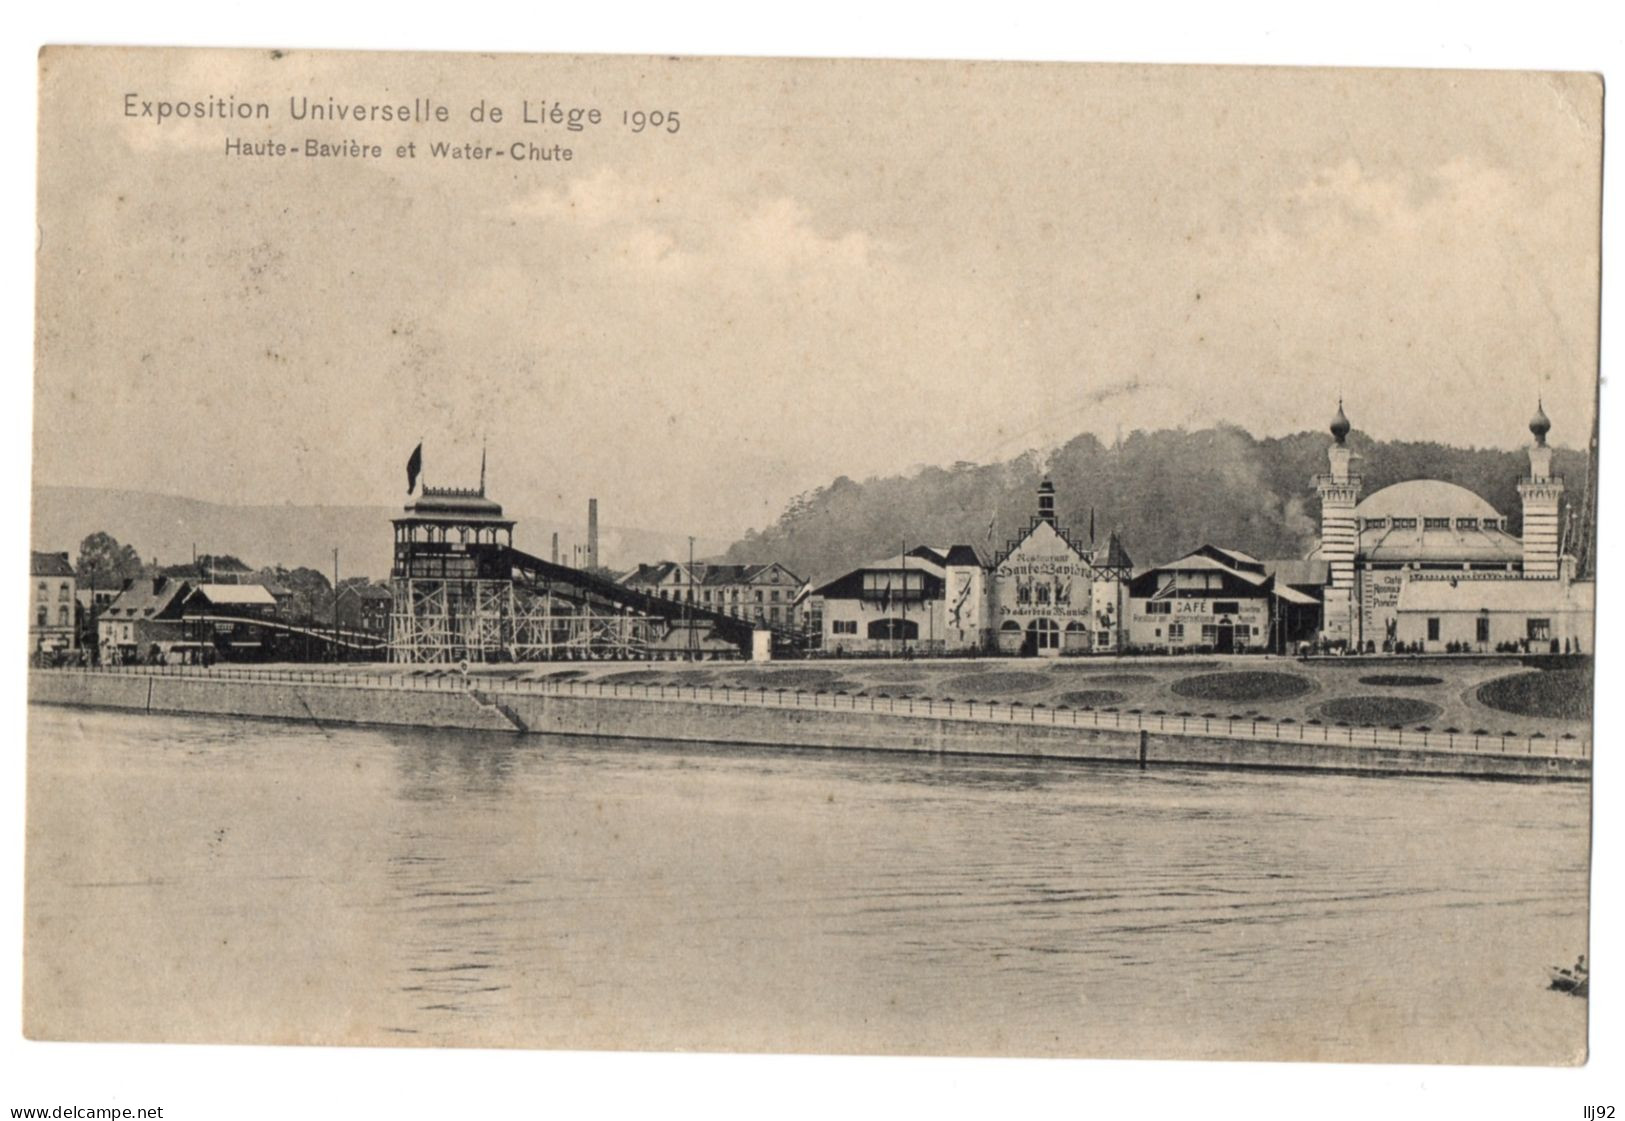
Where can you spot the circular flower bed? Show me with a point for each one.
(993, 683)
(1561, 694)
(1246, 685)
(1400, 680)
(1383, 711)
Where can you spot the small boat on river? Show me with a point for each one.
(1575, 981)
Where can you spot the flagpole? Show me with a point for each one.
(903, 559)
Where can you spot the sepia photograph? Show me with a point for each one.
(813, 556)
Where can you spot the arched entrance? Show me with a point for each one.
(1043, 638)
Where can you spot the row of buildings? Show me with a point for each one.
(1420, 566)
(201, 611)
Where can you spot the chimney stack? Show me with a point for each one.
(592, 533)
(555, 547)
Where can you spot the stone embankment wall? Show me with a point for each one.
(708, 721)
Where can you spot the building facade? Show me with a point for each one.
(144, 620)
(1428, 565)
(365, 608)
(53, 604)
(764, 594)
(895, 605)
(1219, 601)
(1049, 595)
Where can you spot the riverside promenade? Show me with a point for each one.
(796, 717)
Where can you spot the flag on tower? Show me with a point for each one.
(414, 467)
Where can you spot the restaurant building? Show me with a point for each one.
(1051, 595)
(1219, 601)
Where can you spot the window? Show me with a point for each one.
(1244, 632)
(1483, 628)
(758, 595)
(1042, 591)
(1466, 523)
(62, 592)
(774, 595)
(773, 614)
(1376, 523)
(1404, 523)
(844, 626)
(62, 616)
(1210, 634)
(1540, 630)
(1159, 607)
(1433, 630)
(44, 592)
(1435, 523)
(1176, 632)
(43, 616)
(1226, 607)
(1045, 634)
(904, 629)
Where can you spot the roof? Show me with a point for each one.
(1235, 554)
(451, 503)
(1208, 559)
(1201, 562)
(1493, 546)
(1425, 498)
(903, 562)
(276, 590)
(1497, 594)
(965, 556)
(367, 591)
(49, 564)
(649, 573)
(714, 574)
(235, 595)
(148, 599)
(1117, 556)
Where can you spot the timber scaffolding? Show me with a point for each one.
(486, 602)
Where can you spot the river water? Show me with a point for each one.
(230, 880)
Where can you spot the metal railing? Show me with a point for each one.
(1254, 728)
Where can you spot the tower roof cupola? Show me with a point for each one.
(1340, 423)
(1538, 424)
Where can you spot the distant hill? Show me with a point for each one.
(168, 527)
(1165, 491)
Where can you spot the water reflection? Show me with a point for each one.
(432, 887)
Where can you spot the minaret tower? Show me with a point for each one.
(1542, 492)
(1339, 532)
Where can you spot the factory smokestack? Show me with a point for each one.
(592, 533)
(555, 548)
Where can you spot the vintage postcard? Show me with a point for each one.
(813, 556)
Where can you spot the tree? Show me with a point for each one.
(104, 563)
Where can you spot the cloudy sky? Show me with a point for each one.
(850, 268)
